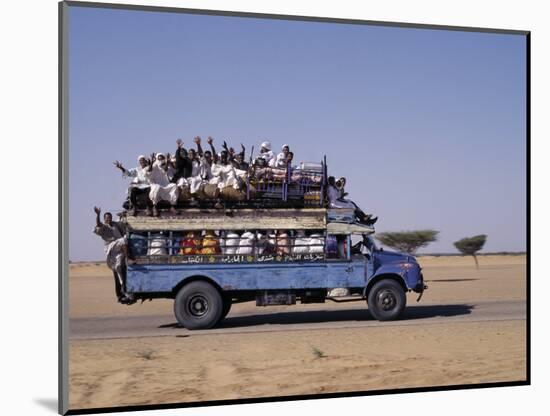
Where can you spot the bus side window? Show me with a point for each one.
(342, 247)
(137, 245)
(336, 246)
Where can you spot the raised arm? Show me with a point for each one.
(179, 150)
(224, 146)
(197, 140)
(230, 151)
(118, 165)
(150, 163)
(97, 217)
(210, 141)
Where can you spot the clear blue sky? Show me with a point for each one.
(428, 126)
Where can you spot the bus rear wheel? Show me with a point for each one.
(198, 305)
(386, 300)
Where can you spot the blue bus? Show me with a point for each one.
(207, 260)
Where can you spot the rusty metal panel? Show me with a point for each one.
(341, 228)
(239, 219)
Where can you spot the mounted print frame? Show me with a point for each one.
(263, 208)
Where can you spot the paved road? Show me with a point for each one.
(266, 319)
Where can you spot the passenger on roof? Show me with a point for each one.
(170, 167)
(265, 153)
(237, 159)
(115, 249)
(201, 167)
(239, 162)
(225, 173)
(336, 194)
(183, 163)
(281, 161)
(289, 159)
(140, 183)
(206, 158)
(161, 187)
(187, 167)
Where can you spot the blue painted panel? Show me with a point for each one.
(349, 274)
(409, 272)
(163, 278)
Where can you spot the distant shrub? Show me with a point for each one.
(408, 241)
(469, 246)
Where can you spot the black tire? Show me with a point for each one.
(386, 300)
(198, 305)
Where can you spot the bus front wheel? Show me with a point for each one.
(198, 305)
(386, 300)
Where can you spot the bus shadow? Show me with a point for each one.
(360, 314)
(320, 316)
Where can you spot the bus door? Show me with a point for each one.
(344, 269)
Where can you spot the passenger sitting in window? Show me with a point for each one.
(190, 244)
(158, 245)
(336, 193)
(210, 243)
(230, 242)
(283, 243)
(364, 246)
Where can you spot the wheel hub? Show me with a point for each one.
(197, 305)
(387, 300)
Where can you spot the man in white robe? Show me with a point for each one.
(266, 153)
(336, 197)
(140, 183)
(281, 160)
(115, 249)
(224, 173)
(201, 172)
(161, 187)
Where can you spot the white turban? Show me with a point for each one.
(141, 157)
(161, 154)
(285, 145)
(267, 145)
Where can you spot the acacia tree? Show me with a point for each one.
(408, 241)
(469, 246)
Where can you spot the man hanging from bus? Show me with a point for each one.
(116, 250)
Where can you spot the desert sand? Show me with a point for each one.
(184, 367)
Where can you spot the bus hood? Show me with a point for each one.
(384, 256)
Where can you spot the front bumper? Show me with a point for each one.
(420, 288)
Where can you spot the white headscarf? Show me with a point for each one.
(141, 157)
(285, 145)
(266, 145)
